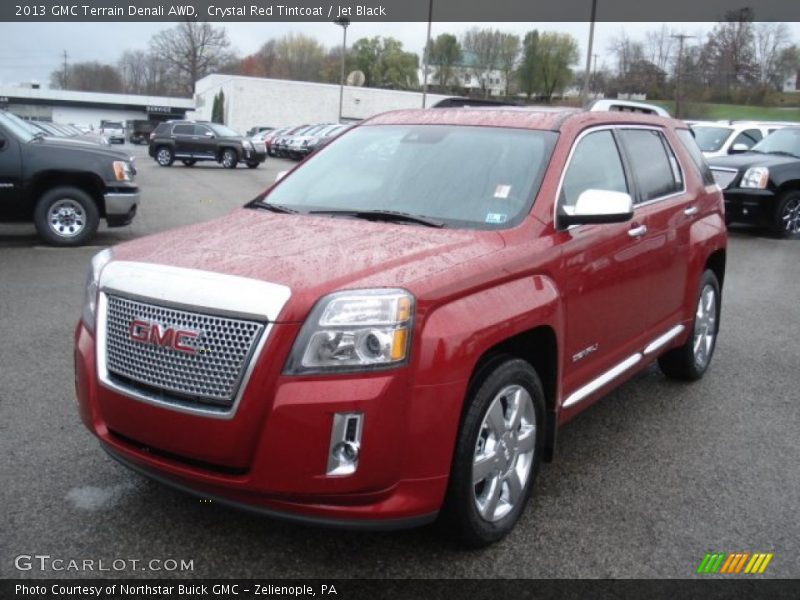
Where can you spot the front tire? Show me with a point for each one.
(164, 156)
(229, 158)
(253, 164)
(66, 216)
(497, 454)
(189, 162)
(787, 216)
(690, 361)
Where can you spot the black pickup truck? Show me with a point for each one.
(65, 187)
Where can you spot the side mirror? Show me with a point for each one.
(209, 135)
(598, 206)
(738, 148)
(280, 175)
(2, 142)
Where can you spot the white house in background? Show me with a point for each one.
(792, 83)
(256, 101)
(464, 76)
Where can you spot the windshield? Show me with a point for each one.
(17, 126)
(223, 131)
(711, 139)
(112, 125)
(475, 177)
(782, 141)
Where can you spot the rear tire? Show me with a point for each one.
(497, 455)
(786, 222)
(66, 216)
(164, 156)
(253, 164)
(690, 361)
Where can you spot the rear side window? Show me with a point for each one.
(749, 138)
(162, 128)
(595, 165)
(687, 140)
(653, 164)
(183, 130)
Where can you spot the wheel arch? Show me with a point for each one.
(716, 263)
(90, 183)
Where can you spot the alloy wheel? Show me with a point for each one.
(791, 216)
(503, 456)
(705, 326)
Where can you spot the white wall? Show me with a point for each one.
(251, 101)
(93, 116)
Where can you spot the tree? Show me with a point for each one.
(556, 52)
(527, 72)
(144, 73)
(218, 108)
(191, 51)
(507, 55)
(659, 46)
(728, 58)
(299, 57)
(482, 50)
(626, 50)
(444, 53)
(771, 39)
(88, 77)
(385, 64)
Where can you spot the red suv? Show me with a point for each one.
(395, 330)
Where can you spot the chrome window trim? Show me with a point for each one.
(617, 127)
(194, 290)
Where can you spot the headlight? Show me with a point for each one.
(756, 177)
(123, 170)
(354, 330)
(99, 260)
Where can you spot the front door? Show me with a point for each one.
(11, 205)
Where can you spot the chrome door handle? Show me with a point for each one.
(690, 210)
(637, 231)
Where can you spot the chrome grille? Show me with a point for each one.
(723, 178)
(210, 372)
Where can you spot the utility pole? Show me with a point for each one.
(585, 91)
(426, 55)
(681, 37)
(343, 22)
(594, 74)
(64, 77)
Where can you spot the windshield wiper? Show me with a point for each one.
(391, 216)
(278, 208)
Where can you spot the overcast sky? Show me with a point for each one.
(31, 51)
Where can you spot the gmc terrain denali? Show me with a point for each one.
(394, 330)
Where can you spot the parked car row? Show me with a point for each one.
(193, 141)
(722, 138)
(299, 141)
(60, 130)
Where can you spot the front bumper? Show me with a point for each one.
(121, 206)
(749, 205)
(272, 456)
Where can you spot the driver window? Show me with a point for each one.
(595, 165)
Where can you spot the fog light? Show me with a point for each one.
(345, 444)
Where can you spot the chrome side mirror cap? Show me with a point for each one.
(280, 175)
(598, 206)
(739, 148)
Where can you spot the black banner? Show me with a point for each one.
(396, 10)
(390, 589)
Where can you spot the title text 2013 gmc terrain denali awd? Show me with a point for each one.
(394, 330)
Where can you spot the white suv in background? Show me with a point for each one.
(721, 138)
(113, 131)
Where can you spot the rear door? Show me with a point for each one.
(10, 177)
(183, 133)
(664, 210)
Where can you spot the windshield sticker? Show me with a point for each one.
(496, 218)
(502, 191)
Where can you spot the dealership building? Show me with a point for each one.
(254, 101)
(88, 108)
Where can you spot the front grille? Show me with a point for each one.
(723, 178)
(209, 373)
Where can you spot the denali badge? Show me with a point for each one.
(153, 333)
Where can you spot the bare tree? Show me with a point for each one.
(659, 46)
(770, 41)
(482, 51)
(192, 51)
(88, 77)
(508, 55)
(626, 50)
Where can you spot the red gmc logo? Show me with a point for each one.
(166, 337)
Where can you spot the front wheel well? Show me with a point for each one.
(539, 347)
(88, 182)
(716, 262)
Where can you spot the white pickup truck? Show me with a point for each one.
(113, 131)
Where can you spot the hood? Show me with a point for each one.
(57, 143)
(751, 159)
(313, 255)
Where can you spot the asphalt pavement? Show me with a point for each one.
(644, 483)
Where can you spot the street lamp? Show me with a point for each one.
(343, 22)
